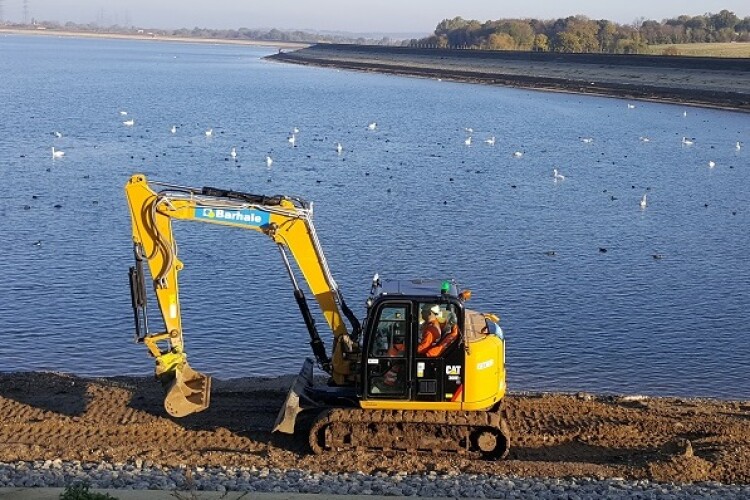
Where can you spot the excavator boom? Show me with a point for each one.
(287, 221)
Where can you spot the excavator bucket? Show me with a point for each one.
(188, 391)
(295, 399)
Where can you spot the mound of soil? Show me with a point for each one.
(46, 416)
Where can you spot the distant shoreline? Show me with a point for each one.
(722, 83)
(156, 38)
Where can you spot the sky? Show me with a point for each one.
(353, 16)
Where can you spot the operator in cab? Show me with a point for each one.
(430, 330)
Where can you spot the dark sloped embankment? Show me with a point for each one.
(713, 82)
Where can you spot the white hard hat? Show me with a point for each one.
(435, 309)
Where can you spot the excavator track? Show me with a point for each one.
(477, 434)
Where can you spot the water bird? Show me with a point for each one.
(372, 126)
(644, 139)
(550, 253)
(684, 113)
(38, 243)
(686, 141)
(173, 129)
(209, 132)
(295, 130)
(57, 154)
(587, 140)
(269, 161)
(631, 106)
(58, 135)
(233, 153)
(518, 154)
(468, 141)
(469, 130)
(643, 201)
(657, 256)
(557, 175)
(602, 250)
(339, 149)
(129, 123)
(490, 141)
(292, 139)
(738, 146)
(123, 113)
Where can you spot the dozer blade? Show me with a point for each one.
(188, 391)
(294, 400)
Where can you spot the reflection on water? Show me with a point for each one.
(595, 292)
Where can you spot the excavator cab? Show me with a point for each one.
(395, 321)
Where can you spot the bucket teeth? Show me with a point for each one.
(188, 391)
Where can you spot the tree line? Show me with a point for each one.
(581, 34)
(273, 35)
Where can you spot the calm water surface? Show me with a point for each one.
(409, 199)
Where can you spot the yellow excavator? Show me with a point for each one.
(390, 387)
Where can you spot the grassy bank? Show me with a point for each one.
(733, 49)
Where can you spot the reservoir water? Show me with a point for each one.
(595, 293)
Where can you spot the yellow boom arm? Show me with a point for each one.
(287, 221)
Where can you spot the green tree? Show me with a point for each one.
(522, 34)
(500, 41)
(541, 43)
(724, 19)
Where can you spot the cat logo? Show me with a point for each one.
(453, 370)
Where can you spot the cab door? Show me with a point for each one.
(438, 374)
(389, 352)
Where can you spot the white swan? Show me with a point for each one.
(372, 126)
(518, 154)
(233, 153)
(129, 123)
(123, 113)
(269, 161)
(173, 129)
(643, 201)
(644, 139)
(686, 141)
(738, 146)
(209, 132)
(57, 154)
(292, 139)
(339, 149)
(684, 113)
(490, 141)
(58, 135)
(468, 141)
(295, 130)
(631, 106)
(711, 164)
(469, 130)
(557, 175)
(587, 139)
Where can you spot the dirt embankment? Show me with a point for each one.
(702, 81)
(47, 416)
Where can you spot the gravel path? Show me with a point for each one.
(144, 475)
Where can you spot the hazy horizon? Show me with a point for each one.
(386, 16)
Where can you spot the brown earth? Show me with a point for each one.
(46, 416)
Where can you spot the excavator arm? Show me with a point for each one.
(287, 221)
